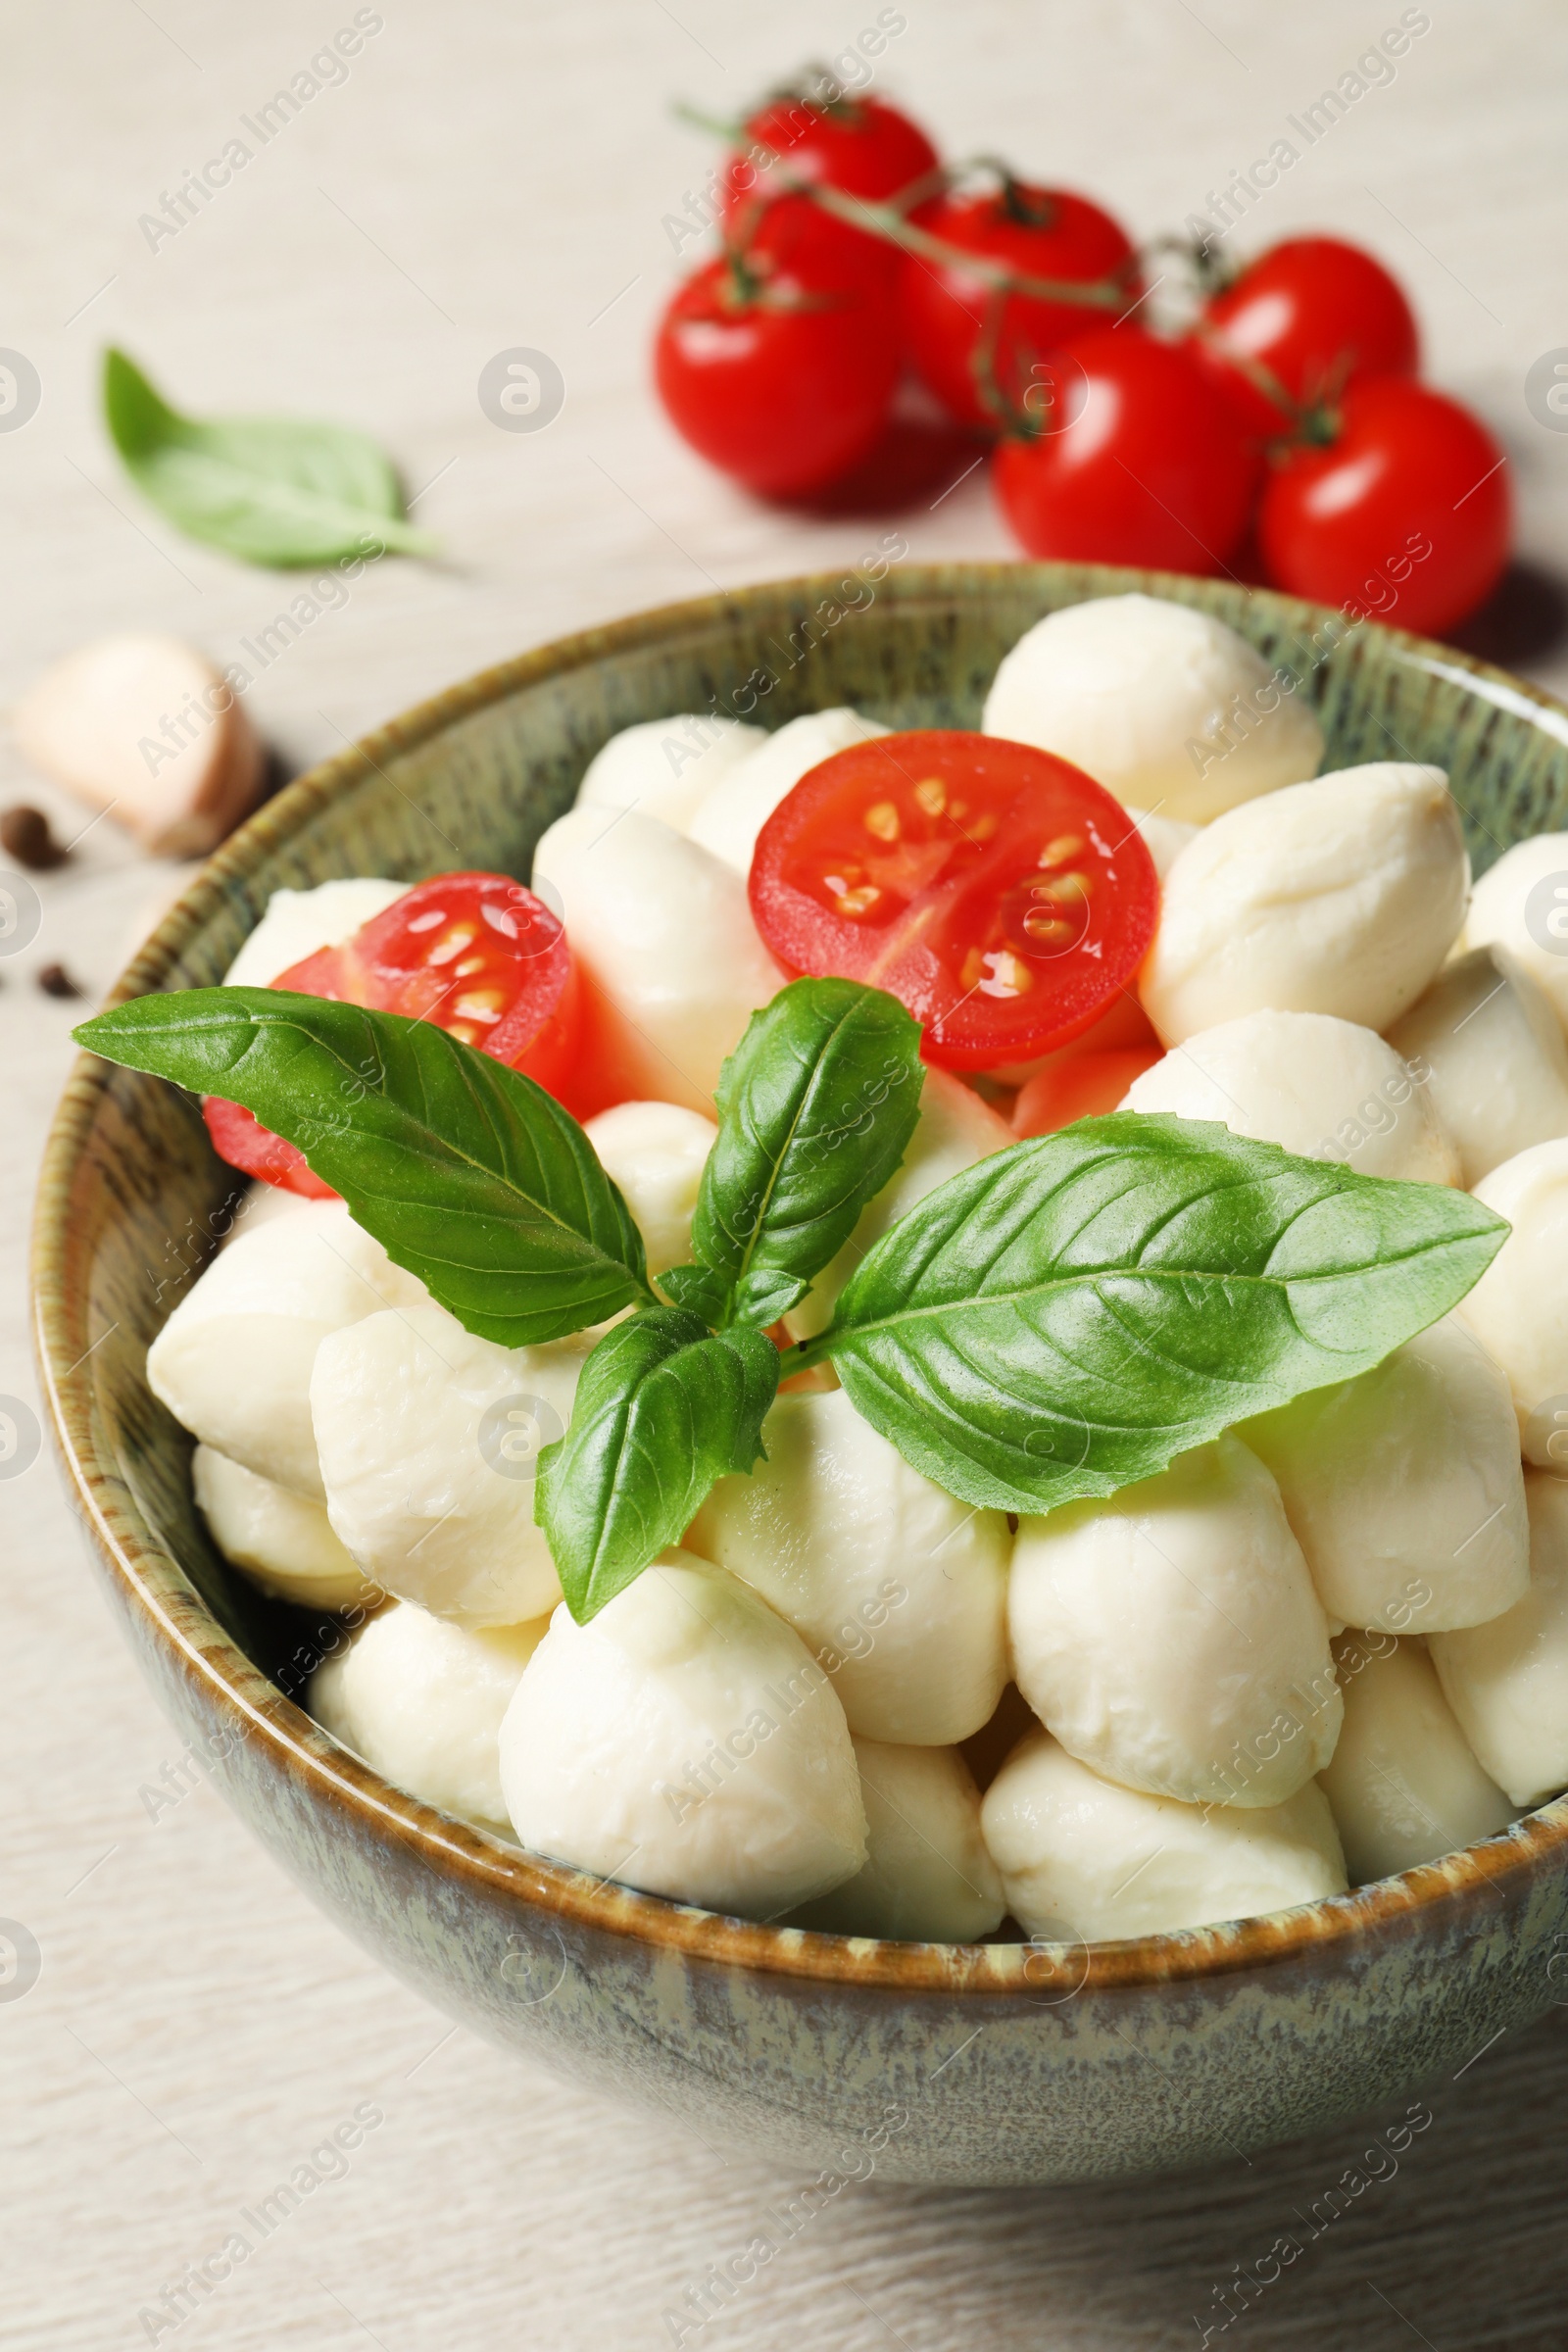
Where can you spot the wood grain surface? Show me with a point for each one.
(487, 177)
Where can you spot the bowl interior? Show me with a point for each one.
(133, 1199)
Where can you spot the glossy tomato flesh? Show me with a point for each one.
(1405, 518)
(478, 954)
(1318, 315)
(950, 315)
(999, 893)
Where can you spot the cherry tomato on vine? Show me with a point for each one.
(478, 954)
(1405, 515)
(775, 377)
(860, 145)
(1141, 461)
(998, 892)
(1318, 315)
(958, 331)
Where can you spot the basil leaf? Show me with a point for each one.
(699, 1290)
(817, 1106)
(1068, 1315)
(466, 1172)
(279, 491)
(664, 1407)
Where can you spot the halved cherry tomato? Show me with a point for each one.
(999, 893)
(955, 328)
(1318, 316)
(478, 954)
(1080, 1085)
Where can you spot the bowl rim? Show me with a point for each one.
(173, 1620)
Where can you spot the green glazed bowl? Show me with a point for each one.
(987, 2062)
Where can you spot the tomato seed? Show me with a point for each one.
(932, 794)
(1057, 851)
(883, 821)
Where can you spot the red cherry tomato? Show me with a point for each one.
(1141, 461)
(858, 144)
(1406, 515)
(999, 893)
(775, 377)
(475, 954)
(1080, 1085)
(950, 317)
(1319, 316)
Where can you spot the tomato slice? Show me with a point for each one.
(999, 893)
(478, 954)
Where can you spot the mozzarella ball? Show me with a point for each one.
(927, 1876)
(299, 922)
(683, 1741)
(429, 1440)
(1521, 904)
(954, 1130)
(663, 937)
(1340, 897)
(1082, 1858)
(1164, 837)
(233, 1361)
(734, 813)
(1498, 1056)
(1402, 1785)
(422, 1701)
(1519, 1309)
(1508, 1680)
(898, 1589)
(1324, 1088)
(656, 1152)
(282, 1541)
(1403, 1487)
(1170, 1636)
(1144, 695)
(665, 766)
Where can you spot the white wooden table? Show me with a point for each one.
(490, 177)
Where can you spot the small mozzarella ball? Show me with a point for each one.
(740, 804)
(1170, 1636)
(1519, 1309)
(898, 1589)
(656, 1152)
(667, 767)
(1320, 1087)
(1082, 1858)
(927, 1876)
(428, 1440)
(1081, 1086)
(283, 1542)
(664, 936)
(1401, 1783)
(1498, 1056)
(682, 1742)
(233, 1361)
(1521, 904)
(1142, 695)
(954, 1130)
(423, 1702)
(299, 922)
(1508, 1680)
(1164, 837)
(1340, 897)
(1403, 1487)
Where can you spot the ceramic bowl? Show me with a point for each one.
(990, 2063)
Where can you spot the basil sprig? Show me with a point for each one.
(1057, 1321)
(281, 491)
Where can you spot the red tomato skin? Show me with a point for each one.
(945, 308)
(1078, 1086)
(966, 1028)
(787, 391)
(864, 147)
(1407, 518)
(1150, 469)
(1319, 315)
(239, 1137)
